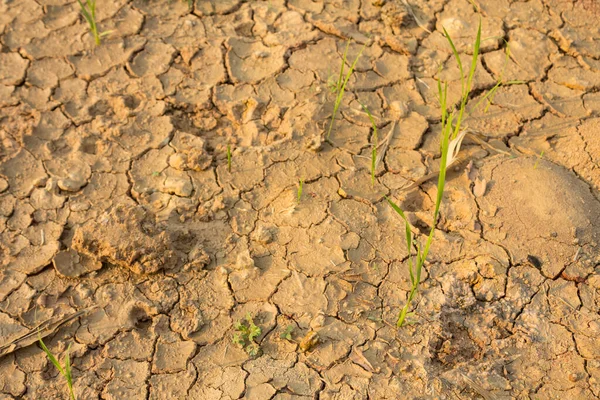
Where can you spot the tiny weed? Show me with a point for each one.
(538, 160)
(339, 87)
(375, 144)
(450, 144)
(245, 335)
(156, 173)
(229, 158)
(287, 333)
(299, 194)
(64, 371)
(88, 10)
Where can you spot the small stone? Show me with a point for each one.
(3, 184)
(71, 185)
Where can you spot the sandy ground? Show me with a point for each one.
(123, 233)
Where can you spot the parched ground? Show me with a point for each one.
(123, 233)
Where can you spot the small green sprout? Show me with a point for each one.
(299, 194)
(246, 335)
(64, 371)
(450, 145)
(287, 333)
(88, 10)
(340, 85)
(538, 160)
(229, 158)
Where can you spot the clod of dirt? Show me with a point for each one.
(126, 236)
(535, 208)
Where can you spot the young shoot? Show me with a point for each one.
(340, 85)
(299, 193)
(451, 139)
(88, 10)
(65, 370)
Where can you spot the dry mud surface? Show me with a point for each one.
(123, 232)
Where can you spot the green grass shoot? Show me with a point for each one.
(299, 194)
(229, 158)
(88, 10)
(538, 160)
(64, 371)
(375, 144)
(489, 96)
(340, 85)
(450, 142)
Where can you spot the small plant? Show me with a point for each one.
(88, 10)
(64, 371)
(339, 87)
(375, 145)
(450, 145)
(538, 159)
(299, 194)
(245, 335)
(287, 333)
(229, 158)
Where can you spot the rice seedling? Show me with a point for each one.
(64, 371)
(375, 144)
(88, 10)
(299, 193)
(246, 335)
(489, 96)
(340, 84)
(538, 160)
(451, 140)
(229, 158)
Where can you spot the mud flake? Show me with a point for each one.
(172, 357)
(136, 345)
(12, 379)
(251, 61)
(12, 69)
(128, 379)
(301, 297)
(172, 385)
(23, 172)
(103, 58)
(71, 264)
(154, 59)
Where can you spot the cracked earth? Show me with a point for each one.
(124, 234)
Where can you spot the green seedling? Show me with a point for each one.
(375, 144)
(299, 194)
(229, 158)
(88, 10)
(246, 335)
(287, 333)
(64, 371)
(538, 160)
(489, 97)
(450, 145)
(340, 85)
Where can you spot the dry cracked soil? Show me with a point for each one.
(124, 233)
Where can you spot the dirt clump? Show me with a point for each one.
(129, 237)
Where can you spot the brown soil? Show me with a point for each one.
(123, 232)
